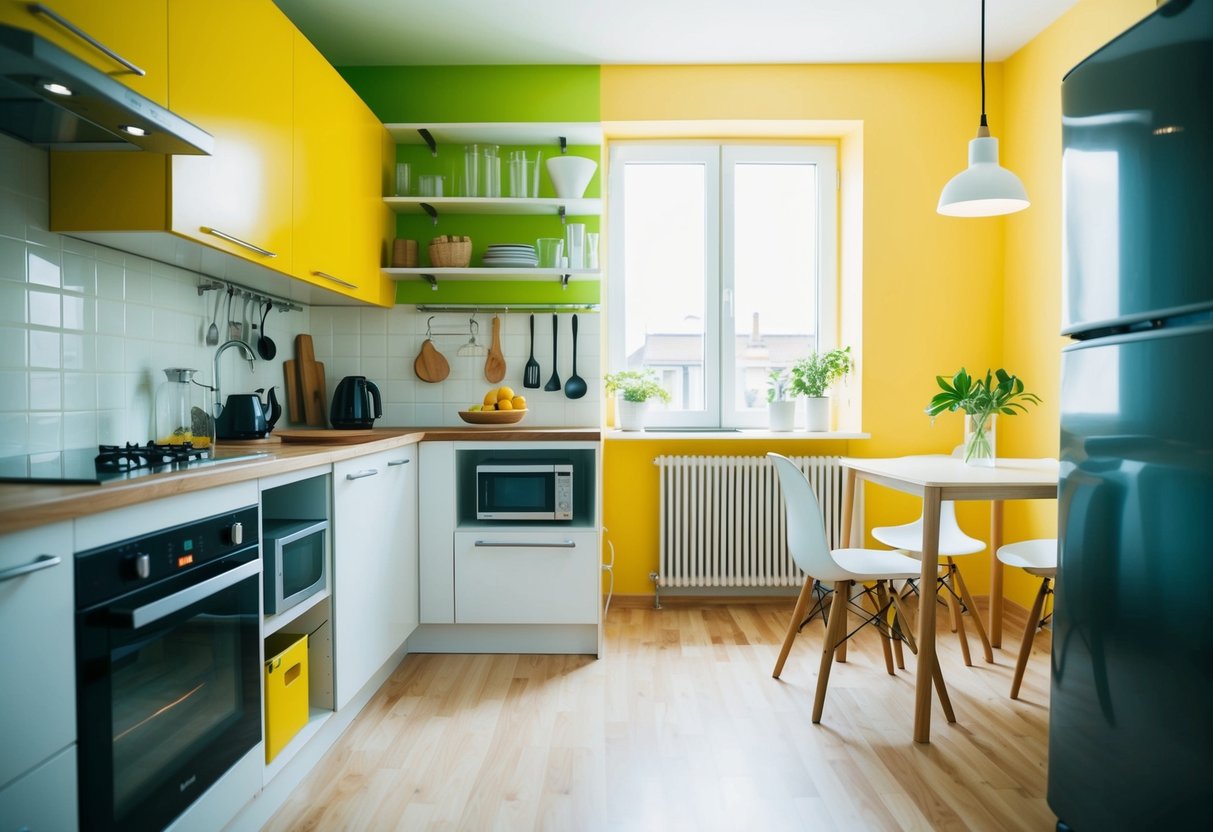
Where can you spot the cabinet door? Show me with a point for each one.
(436, 502)
(37, 647)
(374, 580)
(43, 799)
(231, 69)
(136, 30)
(518, 577)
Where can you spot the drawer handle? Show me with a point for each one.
(264, 252)
(398, 462)
(38, 8)
(41, 562)
(337, 280)
(361, 474)
(499, 544)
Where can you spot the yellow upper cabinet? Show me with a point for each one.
(119, 37)
(231, 70)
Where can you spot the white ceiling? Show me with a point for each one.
(422, 32)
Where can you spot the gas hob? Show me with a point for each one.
(108, 463)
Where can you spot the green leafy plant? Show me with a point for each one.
(635, 386)
(778, 383)
(817, 371)
(998, 392)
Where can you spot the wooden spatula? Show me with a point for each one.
(494, 365)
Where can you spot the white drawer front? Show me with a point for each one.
(43, 799)
(526, 577)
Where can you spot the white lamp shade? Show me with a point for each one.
(985, 188)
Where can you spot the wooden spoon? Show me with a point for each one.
(494, 365)
(431, 365)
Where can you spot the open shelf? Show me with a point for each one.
(479, 273)
(539, 206)
(508, 133)
(316, 717)
(273, 623)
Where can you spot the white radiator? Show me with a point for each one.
(722, 520)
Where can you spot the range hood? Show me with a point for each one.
(90, 111)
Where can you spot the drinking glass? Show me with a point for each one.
(550, 250)
(591, 250)
(523, 174)
(430, 185)
(404, 178)
(574, 244)
(471, 170)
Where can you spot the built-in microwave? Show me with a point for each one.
(295, 565)
(509, 489)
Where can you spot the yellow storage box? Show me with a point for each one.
(285, 690)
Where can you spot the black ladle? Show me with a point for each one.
(265, 345)
(553, 382)
(575, 387)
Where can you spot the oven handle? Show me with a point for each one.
(156, 610)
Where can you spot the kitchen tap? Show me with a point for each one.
(217, 407)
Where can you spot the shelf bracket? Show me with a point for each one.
(561, 212)
(564, 145)
(429, 140)
(433, 281)
(431, 210)
(564, 281)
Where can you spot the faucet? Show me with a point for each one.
(218, 405)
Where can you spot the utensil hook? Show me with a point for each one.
(429, 332)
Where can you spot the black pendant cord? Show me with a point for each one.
(983, 63)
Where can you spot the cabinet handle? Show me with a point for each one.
(522, 544)
(398, 462)
(37, 565)
(264, 252)
(38, 8)
(368, 473)
(337, 280)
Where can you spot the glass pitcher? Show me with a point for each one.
(181, 411)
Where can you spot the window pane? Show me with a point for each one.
(775, 269)
(664, 283)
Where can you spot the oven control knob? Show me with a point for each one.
(143, 566)
(235, 534)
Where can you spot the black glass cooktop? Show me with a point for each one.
(107, 463)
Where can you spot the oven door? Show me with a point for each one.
(515, 492)
(169, 693)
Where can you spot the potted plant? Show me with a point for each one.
(981, 400)
(780, 408)
(632, 390)
(813, 375)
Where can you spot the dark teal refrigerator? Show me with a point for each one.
(1131, 706)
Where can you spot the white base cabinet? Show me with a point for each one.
(44, 798)
(526, 577)
(374, 563)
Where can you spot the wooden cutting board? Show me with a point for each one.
(294, 402)
(330, 437)
(311, 381)
(430, 364)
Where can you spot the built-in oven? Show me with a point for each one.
(510, 489)
(168, 668)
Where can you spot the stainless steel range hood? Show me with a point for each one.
(91, 111)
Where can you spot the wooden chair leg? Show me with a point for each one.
(841, 654)
(941, 691)
(1029, 635)
(833, 638)
(958, 624)
(881, 603)
(802, 603)
(981, 628)
(907, 628)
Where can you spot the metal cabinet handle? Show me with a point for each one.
(337, 280)
(149, 613)
(38, 8)
(398, 462)
(522, 544)
(37, 565)
(264, 252)
(368, 473)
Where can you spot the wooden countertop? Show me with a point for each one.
(26, 505)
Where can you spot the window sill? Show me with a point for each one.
(731, 435)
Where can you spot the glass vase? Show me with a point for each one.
(980, 445)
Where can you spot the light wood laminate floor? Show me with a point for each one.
(680, 726)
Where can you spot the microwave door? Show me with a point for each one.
(516, 493)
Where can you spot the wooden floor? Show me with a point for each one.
(681, 727)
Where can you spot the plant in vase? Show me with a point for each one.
(632, 390)
(981, 400)
(813, 375)
(780, 408)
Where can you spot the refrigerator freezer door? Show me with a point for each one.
(1130, 722)
(1137, 174)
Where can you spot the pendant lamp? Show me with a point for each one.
(985, 188)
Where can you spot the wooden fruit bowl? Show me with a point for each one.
(492, 417)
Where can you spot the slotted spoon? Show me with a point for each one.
(530, 373)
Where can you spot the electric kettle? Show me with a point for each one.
(245, 416)
(352, 404)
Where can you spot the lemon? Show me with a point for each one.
(490, 399)
(504, 394)
(505, 404)
(474, 408)
(519, 402)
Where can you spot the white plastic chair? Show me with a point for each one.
(843, 567)
(1039, 558)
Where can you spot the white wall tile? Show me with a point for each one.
(13, 304)
(12, 259)
(44, 349)
(42, 263)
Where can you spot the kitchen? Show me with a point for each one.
(88, 327)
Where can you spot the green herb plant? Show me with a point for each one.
(817, 371)
(635, 386)
(777, 385)
(998, 392)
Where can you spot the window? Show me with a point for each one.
(723, 264)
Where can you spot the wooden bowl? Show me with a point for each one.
(492, 417)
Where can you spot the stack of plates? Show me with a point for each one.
(513, 256)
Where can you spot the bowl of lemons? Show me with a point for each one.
(500, 407)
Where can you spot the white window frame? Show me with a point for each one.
(719, 158)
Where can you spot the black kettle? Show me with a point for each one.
(244, 416)
(352, 403)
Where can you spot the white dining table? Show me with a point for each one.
(935, 479)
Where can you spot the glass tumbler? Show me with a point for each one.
(471, 170)
(574, 244)
(523, 171)
(591, 250)
(430, 185)
(404, 178)
(490, 171)
(550, 250)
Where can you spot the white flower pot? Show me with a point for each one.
(782, 415)
(631, 414)
(817, 413)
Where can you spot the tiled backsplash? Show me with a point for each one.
(85, 332)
